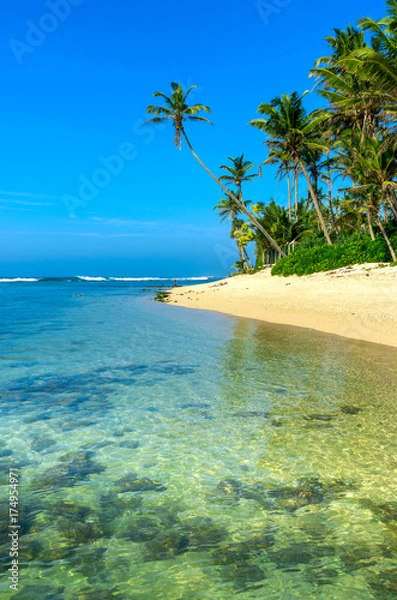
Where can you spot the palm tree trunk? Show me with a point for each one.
(316, 204)
(369, 221)
(331, 208)
(241, 206)
(248, 260)
(388, 242)
(391, 202)
(296, 185)
(289, 196)
(241, 255)
(393, 197)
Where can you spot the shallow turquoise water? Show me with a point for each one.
(173, 454)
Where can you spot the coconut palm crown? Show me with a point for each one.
(177, 110)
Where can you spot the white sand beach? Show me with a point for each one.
(357, 302)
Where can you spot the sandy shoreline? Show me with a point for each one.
(355, 302)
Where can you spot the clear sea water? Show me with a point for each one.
(169, 454)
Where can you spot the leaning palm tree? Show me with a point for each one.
(293, 133)
(177, 111)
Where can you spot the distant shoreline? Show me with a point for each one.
(357, 302)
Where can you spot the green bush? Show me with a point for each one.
(356, 249)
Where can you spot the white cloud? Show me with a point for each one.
(28, 195)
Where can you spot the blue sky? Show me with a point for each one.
(74, 92)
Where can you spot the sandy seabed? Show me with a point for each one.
(357, 302)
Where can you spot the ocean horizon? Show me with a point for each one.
(93, 279)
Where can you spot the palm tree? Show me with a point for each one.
(377, 64)
(293, 133)
(228, 210)
(238, 173)
(281, 158)
(177, 111)
(351, 107)
(284, 230)
(372, 169)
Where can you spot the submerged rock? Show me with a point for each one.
(174, 369)
(61, 551)
(39, 592)
(305, 492)
(356, 557)
(319, 417)
(6, 452)
(386, 512)
(385, 583)
(98, 594)
(243, 551)
(229, 487)
(32, 550)
(142, 529)
(89, 561)
(166, 545)
(198, 535)
(72, 468)
(129, 444)
(68, 509)
(81, 534)
(112, 505)
(40, 444)
(243, 573)
(297, 554)
(321, 575)
(131, 483)
(351, 410)
(247, 414)
(203, 534)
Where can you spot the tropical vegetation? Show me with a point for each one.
(339, 161)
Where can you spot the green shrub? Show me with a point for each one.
(356, 249)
